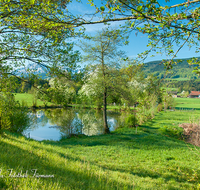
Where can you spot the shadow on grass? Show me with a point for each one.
(3, 185)
(73, 175)
(128, 139)
(19, 157)
(173, 175)
(186, 109)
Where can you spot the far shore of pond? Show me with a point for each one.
(27, 100)
(109, 108)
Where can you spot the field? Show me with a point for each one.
(187, 103)
(28, 99)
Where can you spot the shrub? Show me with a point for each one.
(13, 116)
(159, 107)
(130, 121)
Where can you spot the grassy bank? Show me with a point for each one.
(154, 158)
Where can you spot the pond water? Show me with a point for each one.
(54, 124)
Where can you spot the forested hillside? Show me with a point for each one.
(181, 70)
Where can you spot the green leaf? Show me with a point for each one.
(139, 8)
(102, 8)
(32, 1)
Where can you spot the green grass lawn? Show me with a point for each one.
(28, 99)
(154, 158)
(187, 103)
(178, 79)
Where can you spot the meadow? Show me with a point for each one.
(28, 99)
(155, 157)
(187, 103)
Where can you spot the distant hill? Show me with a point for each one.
(180, 71)
(36, 69)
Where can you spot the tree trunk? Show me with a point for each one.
(106, 129)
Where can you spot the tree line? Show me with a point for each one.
(188, 85)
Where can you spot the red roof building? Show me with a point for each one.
(194, 94)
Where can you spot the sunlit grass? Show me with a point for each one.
(28, 100)
(187, 103)
(154, 158)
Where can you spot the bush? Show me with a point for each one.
(159, 107)
(13, 116)
(130, 121)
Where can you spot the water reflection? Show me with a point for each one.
(54, 124)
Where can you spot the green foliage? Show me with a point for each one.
(28, 35)
(146, 92)
(34, 92)
(131, 120)
(103, 77)
(169, 28)
(13, 116)
(25, 22)
(159, 107)
(146, 112)
(61, 91)
(167, 100)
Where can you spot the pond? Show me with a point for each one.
(54, 124)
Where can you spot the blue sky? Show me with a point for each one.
(137, 44)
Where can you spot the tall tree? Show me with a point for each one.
(62, 91)
(103, 53)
